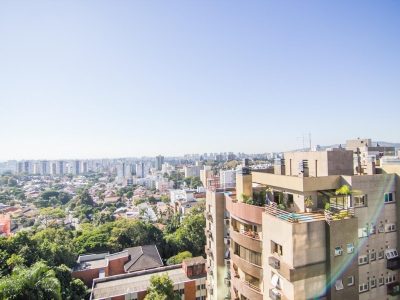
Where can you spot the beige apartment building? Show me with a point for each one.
(312, 227)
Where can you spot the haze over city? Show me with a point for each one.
(90, 79)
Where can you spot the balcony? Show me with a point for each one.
(208, 233)
(247, 289)
(247, 267)
(393, 289)
(247, 240)
(208, 252)
(208, 216)
(393, 263)
(247, 212)
(292, 217)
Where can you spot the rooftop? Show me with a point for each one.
(143, 257)
(119, 285)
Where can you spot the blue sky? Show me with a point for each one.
(129, 78)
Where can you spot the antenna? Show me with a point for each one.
(309, 139)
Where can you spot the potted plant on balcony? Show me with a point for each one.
(308, 203)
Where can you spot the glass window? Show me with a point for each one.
(389, 197)
(339, 284)
(350, 280)
(372, 283)
(372, 256)
(360, 200)
(276, 248)
(381, 281)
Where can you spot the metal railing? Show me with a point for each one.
(273, 210)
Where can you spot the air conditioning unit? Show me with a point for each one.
(274, 262)
(227, 241)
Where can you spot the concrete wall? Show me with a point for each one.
(320, 163)
(302, 264)
(215, 204)
(340, 267)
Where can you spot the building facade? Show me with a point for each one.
(309, 228)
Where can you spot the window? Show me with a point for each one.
(276, 248)
(372, 283)
(360, 200)
(372, 229)
(363, 259)
(362, 232)
(338, 251)
(391, 253)
(390, 278)
(381, 254)
(350, 248)
(339, 285)
(363, 287)
(372, 255)
(390, 227)
(389, 197)
(350, 280)
(381, 281)
(246, 254)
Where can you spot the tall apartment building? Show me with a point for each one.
(192, 171)
(159, 162)
(307, 229)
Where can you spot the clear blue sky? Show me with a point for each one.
(129, 78)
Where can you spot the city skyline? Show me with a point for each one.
(94, 80)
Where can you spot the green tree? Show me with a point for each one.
(34, 283)
(49, 215)
(71, 289)
(177, 259)
(15, 260)
(84, 198)
(130, 233)
(12, 182)
(190, 234)
(161, 288)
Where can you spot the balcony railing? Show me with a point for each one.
(252, 286)
(393, 263)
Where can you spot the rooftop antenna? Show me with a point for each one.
(309, 139)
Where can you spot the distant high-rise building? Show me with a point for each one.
(140, 169)
(60, 165)
(53, 168)
(192, 171)
(84, 168)
(159, 162)
(76, 170)
(44, 167)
